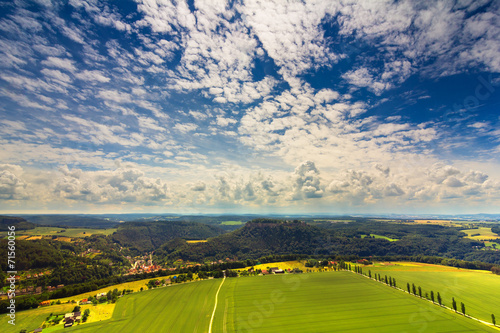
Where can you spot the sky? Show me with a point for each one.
(337, 107)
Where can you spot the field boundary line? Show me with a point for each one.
(430, 301)
(215, 306)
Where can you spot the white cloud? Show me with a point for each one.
(94, 75)
(57, 75)
(103, 187)
(62, 63)
(185, 127)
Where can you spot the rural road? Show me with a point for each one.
(215, 307)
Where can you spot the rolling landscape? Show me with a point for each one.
(249, 166)
(307, 274)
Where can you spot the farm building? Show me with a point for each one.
(276, 270)
(68, 323)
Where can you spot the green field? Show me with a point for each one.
(492, 245)
(178, 308)
(61, 232)
(231, 223)
(316, 302)
(478, 290)
(481, 233)
(32, 319)
(382, 237)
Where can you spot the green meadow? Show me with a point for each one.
(478, 290)
(231, 223)
(32, 319)
(382, 237)
(177, 308)
(316, 302)
(328, 302)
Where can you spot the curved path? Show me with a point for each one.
(215, 307)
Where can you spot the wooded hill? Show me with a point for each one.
(18, 222)
(149, 236)
(76, 221)
(264, 237)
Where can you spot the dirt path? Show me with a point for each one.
(215, 307)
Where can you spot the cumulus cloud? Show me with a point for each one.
(307, 182)
(12, 187)
(116, 186)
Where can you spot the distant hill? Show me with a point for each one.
(147, 236)
(257, 238)
(79, 221)
(18, 222)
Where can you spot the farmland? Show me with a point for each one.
(32, 319)
(178, 308)
(60, 232)
(481, 234)
(329, 301)
(381, 237)
(231, 223)
(479, 290)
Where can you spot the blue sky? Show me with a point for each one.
(249, 106)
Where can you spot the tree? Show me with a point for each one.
(439, 298)
(408, 287)
(370, 274)
(454, 304)
(394, 282)
(462, 305)
(419, 291)
(414, 289)
(386, 280)
(493, 319)
(432, 296)
(76, 309)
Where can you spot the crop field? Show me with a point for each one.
(480, 233)
(231, 223)
(178, 308)
(32, 319)
(327, 302)
(478, 290)
(382, 237)
(55, 231)
(317, 302)
(492, 245)
(283, 265)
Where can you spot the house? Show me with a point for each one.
(69, 323)
(265, 272)
(44, 303)
(279, 271)
(276, 270)
(38, 290)
(59, 286)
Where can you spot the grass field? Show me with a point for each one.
(484, 233)
(60, 232)
(284, 265)
(479, 290)
(382, 237)
(231, 223)
(178, 308)
(318, 302)
(328, 302)
(32, 319)
(492, 245)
